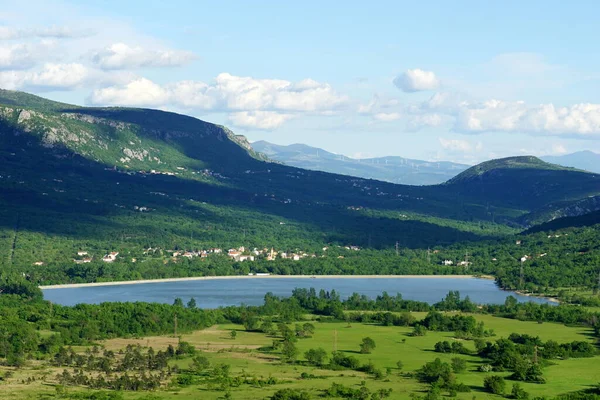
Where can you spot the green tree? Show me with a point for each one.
(289, 351)
(233, 334)
(316, 356)
(367, 345)
(191, 303)
(494, 384)
(459, 365)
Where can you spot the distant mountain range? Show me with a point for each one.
(586, 160)
(389, 169)
(393, 168)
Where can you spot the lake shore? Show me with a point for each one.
(202, 278)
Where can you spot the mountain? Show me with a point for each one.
(524, 182)
(586, 160)
(390, 169)
(141, 182)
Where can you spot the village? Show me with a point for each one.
(239, 254)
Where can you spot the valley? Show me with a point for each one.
(106, 195)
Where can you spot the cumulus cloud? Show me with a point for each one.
(466, 116)
(415, 80)
(229, 92)
(266, 120)
(139, 92)
(24, 56)
(122, 56)
(459, 145)
(262, 103)
(386, 117)
(50, 77)
(499, 116)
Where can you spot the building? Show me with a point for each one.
(447, 262)
(110, 257)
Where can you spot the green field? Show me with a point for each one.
(249, 355)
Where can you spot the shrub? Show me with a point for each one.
(494, 384)
(458, 365)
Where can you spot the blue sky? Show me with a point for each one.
(463, 81)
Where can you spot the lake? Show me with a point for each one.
(228, 292)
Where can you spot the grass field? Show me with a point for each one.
(244, 356)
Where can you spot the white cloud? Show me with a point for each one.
(415, 80)
(416, 122)
(24, 55)
(559, 149)
(50, 77)
(466, 116)
(499, 116)
(386, 117)
(266, 120)
(260, 103)
(459, 145)
(122, 56)
(229, 92)
(55, 32)
(139, 92)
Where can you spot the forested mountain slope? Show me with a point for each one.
(100, 180)
(524, 182)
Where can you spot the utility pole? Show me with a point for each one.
(175, 325)
(428, 255)
(397, 252)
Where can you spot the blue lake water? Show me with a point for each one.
(227, 292)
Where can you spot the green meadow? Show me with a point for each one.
(250, 355)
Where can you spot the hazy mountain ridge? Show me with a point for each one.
(392, 169)
(586, 160)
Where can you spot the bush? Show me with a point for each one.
(494, 384)
(367, 345)
(518, 392)
(290, 394)
(436, 371)
(485, 368)
(316, 356)
(458, 365)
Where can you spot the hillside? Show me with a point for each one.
(389, 169)
(586, 160)
(147, 184)
(524, 182)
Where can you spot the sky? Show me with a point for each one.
(463, 81)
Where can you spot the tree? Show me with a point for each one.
(290, 394)
(233, 334)
(419, 330)
(200, 363)
(316, 356)
(178, 302)
(192, 303)
(436, 371)
(289, 351)
(367, 345)
(494, 384)
(399, 365)
(458, 365)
